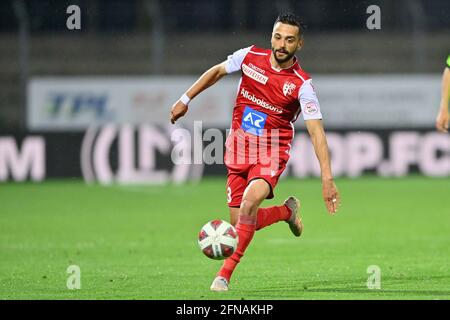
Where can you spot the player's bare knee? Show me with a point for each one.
(234, 215)
(248, 206)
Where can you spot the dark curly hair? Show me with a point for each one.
(293, 20)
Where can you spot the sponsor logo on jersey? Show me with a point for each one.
(253, 121)
(255, 75)
(288, 88)
(251, 65)
(259, 102)
(311, 108)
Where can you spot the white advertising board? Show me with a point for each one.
(347, 101)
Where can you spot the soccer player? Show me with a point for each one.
(273, 91)
(443, 115)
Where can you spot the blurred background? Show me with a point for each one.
(130, 60)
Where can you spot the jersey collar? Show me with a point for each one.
(294, 65)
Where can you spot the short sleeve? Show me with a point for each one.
(448, 61)
(308, 101)
(234, 61)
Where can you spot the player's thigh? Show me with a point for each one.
(256, 191)
(269, 172)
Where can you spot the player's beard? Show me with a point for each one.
(288, 56)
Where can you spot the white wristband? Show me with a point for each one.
(185, 99)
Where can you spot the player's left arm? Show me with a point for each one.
(443, 117)
(319, 141)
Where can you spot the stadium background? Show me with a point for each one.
(85, 170)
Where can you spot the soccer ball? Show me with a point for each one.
(218, 239)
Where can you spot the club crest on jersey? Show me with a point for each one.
(288, 88)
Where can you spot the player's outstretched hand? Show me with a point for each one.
(331, 196)
(442, 120)
(178, 110)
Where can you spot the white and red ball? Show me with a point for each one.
(218, 239)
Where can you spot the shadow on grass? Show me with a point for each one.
(302, 289)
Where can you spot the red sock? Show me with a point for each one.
(245, 229)
(268, 216)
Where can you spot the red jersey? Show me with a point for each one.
(269, 100)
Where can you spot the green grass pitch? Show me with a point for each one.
(140, 242)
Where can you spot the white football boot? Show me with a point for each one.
(295, 221)
(219, 284)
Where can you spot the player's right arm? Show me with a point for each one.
(207, 79)
(442, 119)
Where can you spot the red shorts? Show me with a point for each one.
(240, 175)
